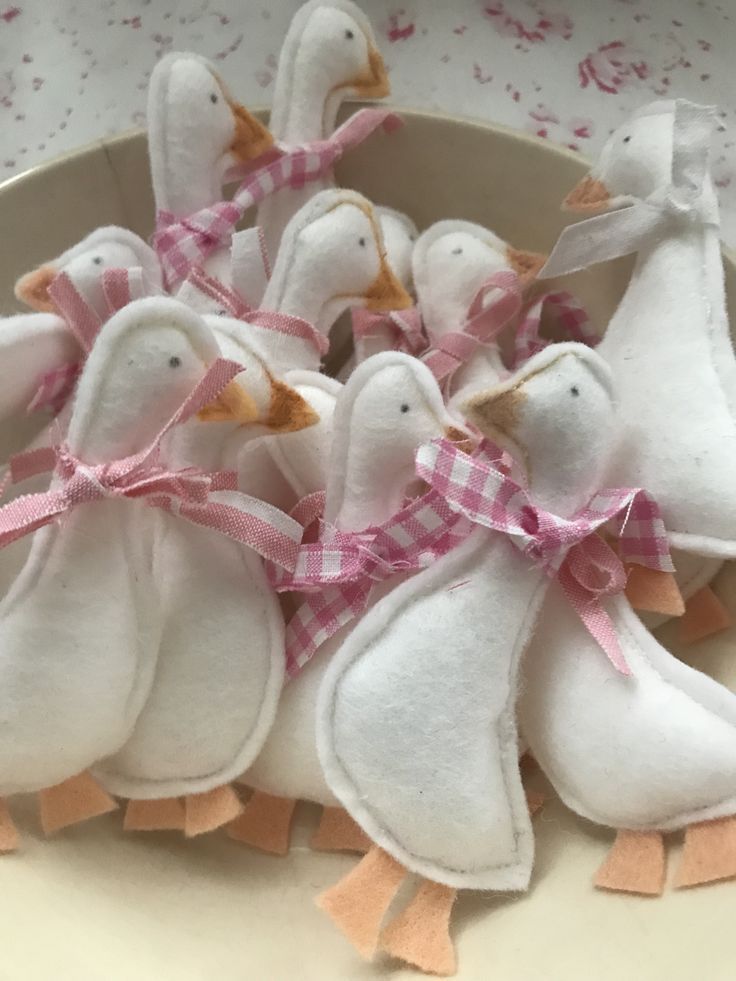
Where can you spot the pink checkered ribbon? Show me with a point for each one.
(183, 243)
(570, 315)
(186, 493)
(565, 548)
(338, 572)
(119, 288)
(404, 327)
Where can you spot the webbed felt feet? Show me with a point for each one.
(72, 801)
(9, 837)
(337, 832)
(358, 903)
(704, 616)
(265, 823)
(210, 810)
(653, 591)
(636, 864)
(420, 935)
(166, 814)
(708, 854)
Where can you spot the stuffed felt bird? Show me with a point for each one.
(416, 725)
(329, 55)
(390, 405)
(82, 625)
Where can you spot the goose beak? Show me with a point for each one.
(233, 404)
(386, 292)
(495, 413)
(588, 196)
(33, 289)
(372, 83)
(252, 138)
(288, 411)
(525, 264)
(460, 438)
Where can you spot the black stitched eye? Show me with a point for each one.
(349, 35)
(213, 98)
(221, 312)
(361, 242)
(174, 362)
(97, 260)
(404, 406)
(574, 390)
(457, 251)
(626, 139)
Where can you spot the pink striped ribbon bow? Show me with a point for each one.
(404, 328)
(186, 493)
(119, 287)
(338, 572)
(187, 242)
(565, 548)
(571, 316)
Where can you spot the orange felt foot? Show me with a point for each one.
(534, 801)
(337, 832)
(636, 863)
(421, 934)
(709, 853)
(210, 810)
(166, 814)
(653, 591)
(705, 615)
(265, 823)
(76, 799)
(357, 904)
(9, 837)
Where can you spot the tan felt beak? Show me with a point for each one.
(233, 404)
(372, 83)
(495, 414)
(252, 138)
(460, 438)
(525, 264)
(288, 411)
(386, 292)
(33, 289)
(589, 195)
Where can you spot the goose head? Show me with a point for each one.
(399, 235)
(332, 256)
(390, 405)
(105, 248)
(452, 260)
(329, 54)
(147, 359)
(556, 417)
(196, 133)
(636, 161)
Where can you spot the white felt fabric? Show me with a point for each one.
(653, 751)
(325, 59)
(79, 628)
(371, 466)
(669, 346)
(416, 725)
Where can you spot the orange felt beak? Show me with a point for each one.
(372, 83)
(589, 195)
(252, 138)
(386, 292)
(460, 438)
(33, 289)
(233, 404)
(495, 413)
(288, 411)
(525, 264)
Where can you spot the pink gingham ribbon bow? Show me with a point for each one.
(565, 548)
(183, 243)
(119, 287)
(186, 493)
(404, 328)
(338, 572)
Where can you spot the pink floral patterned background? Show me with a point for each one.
(567, 70)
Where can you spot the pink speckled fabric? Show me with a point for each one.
(568, 70)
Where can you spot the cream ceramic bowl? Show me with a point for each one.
(96, 903)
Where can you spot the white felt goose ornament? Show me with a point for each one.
(196, 134)
(388, 408)
(81, 625)
(452, 259)
(220, 665)
(329, 55)
(668, 342)
(416, 726)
